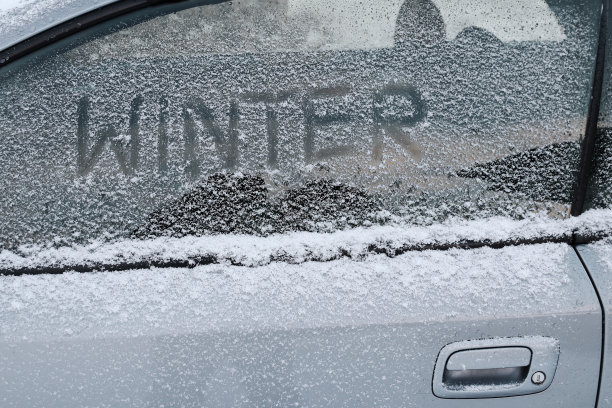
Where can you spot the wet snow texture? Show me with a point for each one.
(600, 186)
(603, 248)
(544, 173)
(112, 142)
(300, 247)
(414, 287)
(600, 183)
(241, 204)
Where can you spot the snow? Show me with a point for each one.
(74, 203)
(374, 290)
(603, 249)
(300, 247)
(508, 20)
(6, 5)
(82, 216)
(367, 279)
(351, 27)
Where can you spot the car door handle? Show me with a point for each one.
(495, 367)
(489, 358)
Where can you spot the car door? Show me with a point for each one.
(595, 250)
(287, 203)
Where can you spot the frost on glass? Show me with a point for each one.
(599, 194)
(262, 117)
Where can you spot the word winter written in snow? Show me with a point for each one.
(388, 113)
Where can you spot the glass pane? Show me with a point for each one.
(599, 194)
(263, 117)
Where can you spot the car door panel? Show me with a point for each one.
(597, 258)
(344, 333)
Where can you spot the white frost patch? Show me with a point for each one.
(300, 247)
(508, 20)
(603, 249)
(352, 24)
(6, 5)
(428, 286)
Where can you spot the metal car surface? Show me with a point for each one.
(287, 203)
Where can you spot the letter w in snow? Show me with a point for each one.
(125, 148)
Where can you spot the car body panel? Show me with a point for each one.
(342, 333)
(30, 19)
(597, 258)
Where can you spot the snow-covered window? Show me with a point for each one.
(262, 117)
(599, 194)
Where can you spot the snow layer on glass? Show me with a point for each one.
(174, 128)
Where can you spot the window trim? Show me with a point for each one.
(84, 22)
(209, 259)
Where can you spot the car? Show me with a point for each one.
(393, 203)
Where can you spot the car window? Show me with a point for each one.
(267, 117)
(599, 193)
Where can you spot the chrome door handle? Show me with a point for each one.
(495, 367)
